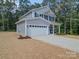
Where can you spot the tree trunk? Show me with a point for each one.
(65, 26)
(70, 26)
(2, 21)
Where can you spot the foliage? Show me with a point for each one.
(67, 13)
(8, 17)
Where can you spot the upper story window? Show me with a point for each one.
(46, 17)
(51, 18)
(36, 15)
(41, 15)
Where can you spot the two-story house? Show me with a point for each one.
(38, 22)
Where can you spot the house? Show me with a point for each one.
(38, 22)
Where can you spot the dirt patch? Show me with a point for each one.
(13, 48)
(73, 36)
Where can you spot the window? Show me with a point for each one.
(36, 15)
(41, 15)
(46, 17)
(36, 26)
(33, 26)
(27, 25)
(51, 18)
(30, 26)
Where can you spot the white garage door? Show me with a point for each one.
(37, 30)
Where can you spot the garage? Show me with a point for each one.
(36, 30)
(33, 27)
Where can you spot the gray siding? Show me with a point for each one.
(37, 22)
(21, 28)
(29, 15)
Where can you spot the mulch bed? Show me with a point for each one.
(26, 37)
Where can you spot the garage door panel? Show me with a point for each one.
(35, 31)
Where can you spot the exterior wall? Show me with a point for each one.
(46, 11)
(37, 22)
(29, 15)
(21, 28)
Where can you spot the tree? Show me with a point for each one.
(24, 5)
(68, 10)
(65, 10)
(6, 7)
(36, 5)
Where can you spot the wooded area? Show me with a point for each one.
(67, 12)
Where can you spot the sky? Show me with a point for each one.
(32, 1)
(37, 1)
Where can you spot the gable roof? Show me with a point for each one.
(35, 10)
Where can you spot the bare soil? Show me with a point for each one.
(13, 48)
(73, 36)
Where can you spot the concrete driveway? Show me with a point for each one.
(64, 42)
